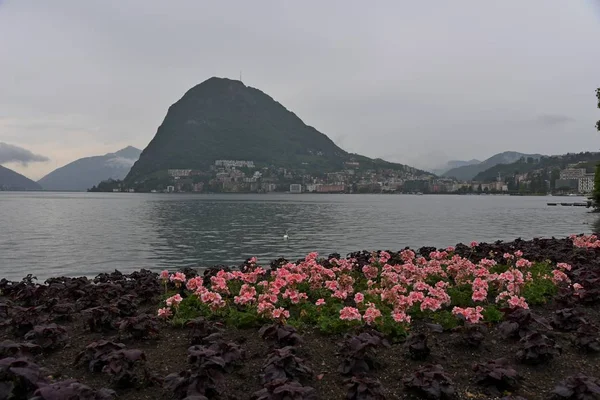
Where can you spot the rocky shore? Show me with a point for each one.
(182, 335)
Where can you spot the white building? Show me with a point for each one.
(295, 188)
(586, 184)
(178, 173)
(572, 173)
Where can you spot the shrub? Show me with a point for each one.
(95, 354)
(71, 389)
(577, 387)
(364, 388)
(19, 378)
(143, 326)
(100, 319)
(285, 390)
(358, 353)
(521, 323)
(8, 348)
(587, 338)
(417, 347)
(194, 384)
(431, 382)
(537, 348)
(567, 319)
(496, 376)
(200, 328)
(283, 364)
(48, 337)
(280, 335)
(121, 366)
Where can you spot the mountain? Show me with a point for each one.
(440, 170)
(87, 172)
(11, 180)
(547, 164)
(468, 172)
(223, 119)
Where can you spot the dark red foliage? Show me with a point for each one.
(144, 326)
(358, 353)
(193, 384)
(72, 389)
(473, 334)
(282, 364)
(417, 347)
(520, 323)
(48, 337)
(19, 378)
(285, 390)
(430, 382)
(577, 387)
(537, 348)
(567, 319)
(279, 335)
(587, 338)
(101, 319)
(364, 388)
(496, 376)
(95, 354)
(8, 348)
(121, 366)
(23, 319)
(200, 329)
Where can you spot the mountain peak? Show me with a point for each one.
(223, 119)
(129, 152)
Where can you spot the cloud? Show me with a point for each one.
(553, 119)
(10, 153)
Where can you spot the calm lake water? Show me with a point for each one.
(51, 234)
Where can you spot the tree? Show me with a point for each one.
(596, 192)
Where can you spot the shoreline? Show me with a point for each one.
(111, 299)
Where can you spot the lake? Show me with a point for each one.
(52, 234)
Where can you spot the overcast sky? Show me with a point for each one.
(410, 81)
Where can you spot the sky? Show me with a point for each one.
(409, 81)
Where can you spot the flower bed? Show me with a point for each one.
(386, 293)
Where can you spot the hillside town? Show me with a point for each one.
(243, 176)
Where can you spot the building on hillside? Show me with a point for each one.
(170, 189)
(586, 184)
(234, 163)
(566, 184)
(572, 173)
(331, 188)
(178, 173)
(295, 188)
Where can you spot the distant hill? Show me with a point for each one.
(586, 160)
(11, 180)
(441, 170)
(225, 119)
(468, 172)
(84, 173)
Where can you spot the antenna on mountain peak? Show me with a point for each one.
(240, 76)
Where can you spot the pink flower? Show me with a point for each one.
(517, 302)
(174, 300)
(400, 316)
(563, 266)
(350, 314)
(518, 253)
(359, 298)
(194, 283)
(472, 315)
(523, 263)
(371, 314)
(559, 276)
(508, 256)
(320, 302)
(280, 313)
(178, 278)
(370, 271)
(164, 275)
(474, 244)
(479, 295)
(164, 313)
(450, 249)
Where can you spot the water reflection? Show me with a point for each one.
(51, 234)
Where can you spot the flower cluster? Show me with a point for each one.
(586, 241)
(387, 289)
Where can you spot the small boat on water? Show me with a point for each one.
(552, 204)
(566, 204)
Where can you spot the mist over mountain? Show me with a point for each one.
(84, 173)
